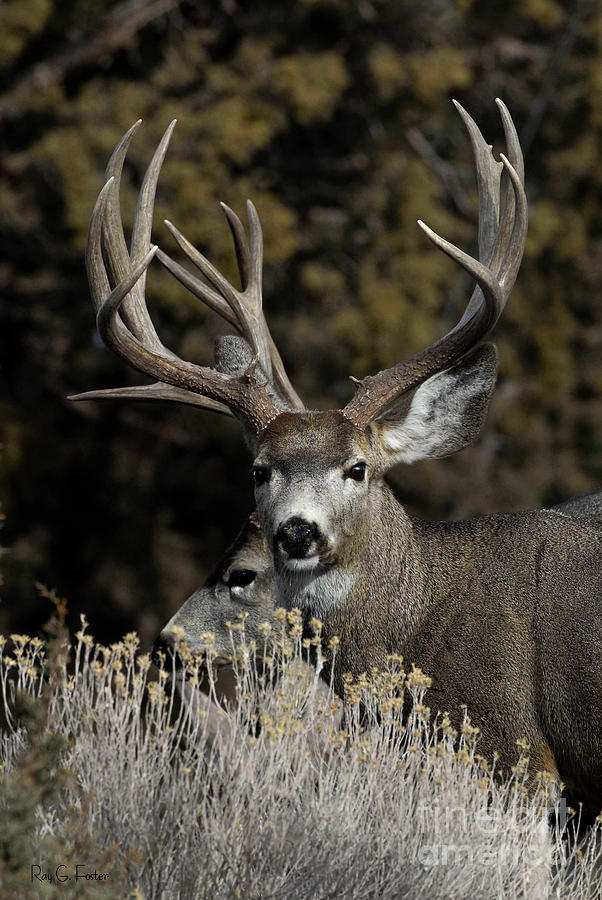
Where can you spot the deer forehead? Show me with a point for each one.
(321, 439)
(249, 551)
(255, 556)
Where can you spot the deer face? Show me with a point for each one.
(241, 584)
(318, 476)
(313, 474)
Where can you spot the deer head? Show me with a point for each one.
(318, 474)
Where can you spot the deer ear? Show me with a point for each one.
(444, 414)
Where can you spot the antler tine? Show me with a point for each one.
(243, 257)
(496, 224)
(488, 171)
(213, 300)
(133, 311)
(505, 255)
(241, 245)
(245, 305)
(501, 244)
(243, 310)
(154, 392)
(256, 251)
(106, 230)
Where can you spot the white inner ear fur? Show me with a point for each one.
(446, 412)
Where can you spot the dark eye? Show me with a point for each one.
(261, 474)
(357, 472)
(241, 577)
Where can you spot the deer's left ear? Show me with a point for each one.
(444, 414)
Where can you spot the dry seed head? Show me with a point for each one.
(19, 639)
(184, 652)
(155, 692)
(395, 658)
(130, 644)
(417, 678)
(281, 614)
(468, 730)
(294, 616)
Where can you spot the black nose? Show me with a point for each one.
(296, 536)
(162, 654)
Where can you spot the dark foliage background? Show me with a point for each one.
(335, 118)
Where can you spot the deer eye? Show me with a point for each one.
(357, 472)
(241, 577)
(261, 474)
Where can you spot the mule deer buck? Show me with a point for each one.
(504, 612)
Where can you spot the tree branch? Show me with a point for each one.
(120, 26)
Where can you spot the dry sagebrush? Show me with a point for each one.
(277, 796)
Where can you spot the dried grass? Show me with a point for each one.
(277, 796)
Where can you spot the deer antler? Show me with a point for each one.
(502, 236)
(122, 317)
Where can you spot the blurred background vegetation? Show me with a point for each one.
(335, 118)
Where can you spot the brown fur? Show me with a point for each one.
(504, 612)
(520, 645)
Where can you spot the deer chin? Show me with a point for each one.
(318, 591)
(307, 565)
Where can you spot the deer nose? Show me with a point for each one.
(162, 654)
(296, 537)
